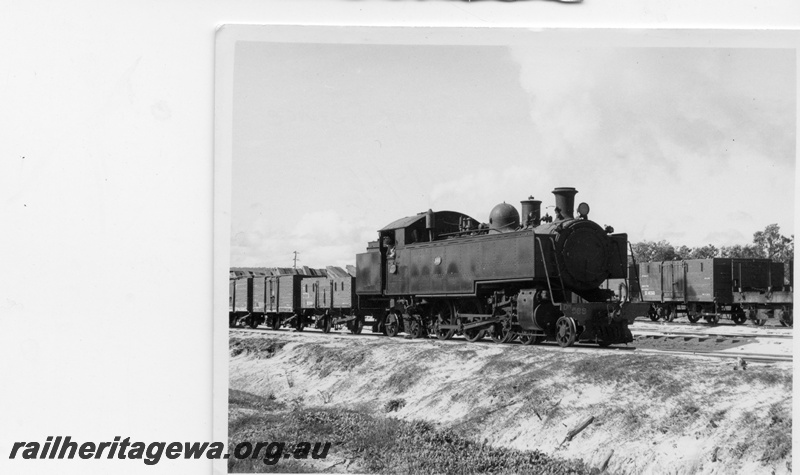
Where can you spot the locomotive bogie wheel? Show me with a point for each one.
(392, 325)
(566, 331)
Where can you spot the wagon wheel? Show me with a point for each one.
(530, 339)
(693, 312)
(252, 322)
(666, 313)
(786, 318)
(712, 319)
(298, 324)
(472, 306)
(759, 322)
(442, 313)
(326, 324)
(276, 322)
(653, 314)
(501, 332)
(356, 326)
(737, 315)
(566, 332)
(392, 324)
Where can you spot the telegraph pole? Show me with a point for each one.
(295, 258)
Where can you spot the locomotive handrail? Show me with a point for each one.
(558, 268)
(544, 263)
(476, 232)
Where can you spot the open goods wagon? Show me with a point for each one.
(739, 289)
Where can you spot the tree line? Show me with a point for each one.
(769, 243)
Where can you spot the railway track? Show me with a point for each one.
(552, 346)
(722, 323)
(711, 335)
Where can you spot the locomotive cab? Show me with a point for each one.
(382, 262)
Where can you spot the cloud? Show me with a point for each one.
(666, 135)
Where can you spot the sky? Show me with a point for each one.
(333, 141)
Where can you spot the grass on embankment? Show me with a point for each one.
(371, 444)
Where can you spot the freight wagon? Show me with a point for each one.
(716, 288)
(324, 300)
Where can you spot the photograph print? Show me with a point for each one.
(487, 250)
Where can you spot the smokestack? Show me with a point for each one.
(565, 201)
(531, 211)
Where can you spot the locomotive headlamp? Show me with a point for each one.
(583, 210)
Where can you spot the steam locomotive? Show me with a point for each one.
(441, 274)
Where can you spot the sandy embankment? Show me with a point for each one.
(659, 414)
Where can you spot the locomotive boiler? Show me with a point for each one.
(530, 277)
